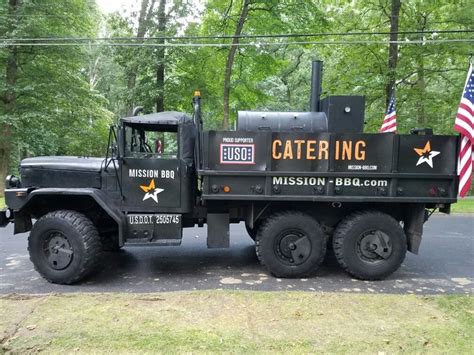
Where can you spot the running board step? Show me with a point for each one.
(156, 242)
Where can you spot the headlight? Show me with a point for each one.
(12, 182)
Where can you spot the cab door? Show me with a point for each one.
(150, 170)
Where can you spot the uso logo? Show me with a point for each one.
(237, 153)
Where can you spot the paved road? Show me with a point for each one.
(446, 265)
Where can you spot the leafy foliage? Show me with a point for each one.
(67, 96)
(57, 110)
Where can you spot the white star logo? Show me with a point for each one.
(151, 191)
(426, 155)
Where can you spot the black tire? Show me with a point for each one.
(369, 245)
(291, 244)
(64, 246)
(109, 242)
(252, 232)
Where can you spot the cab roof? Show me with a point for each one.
(159, 118)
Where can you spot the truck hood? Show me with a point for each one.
(64, 163)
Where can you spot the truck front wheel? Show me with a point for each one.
(64, 246)
(369, 245)
(252, 232)
(291, 244)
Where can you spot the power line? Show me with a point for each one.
(31, 15)
(243, 36)
(255, 44)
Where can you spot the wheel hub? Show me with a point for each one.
(374, 246)
(293, 248)
(58, 251)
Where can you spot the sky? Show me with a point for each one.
(108, 6)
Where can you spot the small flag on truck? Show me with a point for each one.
(390, 121)
(464, 124)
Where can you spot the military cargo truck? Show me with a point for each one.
(300, 181)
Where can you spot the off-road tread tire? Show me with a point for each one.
(288, 216)
(252, 232)
(346, 227)
(89, 237)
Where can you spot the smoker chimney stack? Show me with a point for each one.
(316, 81)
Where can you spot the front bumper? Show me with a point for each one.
(6, 216)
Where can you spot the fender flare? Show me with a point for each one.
(97, 195)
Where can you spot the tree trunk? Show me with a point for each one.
(392, 51)
(143, 22)
(9, 95)
(230, 60)
(421, 88)
(421, 119)
(160, 59)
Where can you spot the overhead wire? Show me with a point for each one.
(242, 36)
(245, 44)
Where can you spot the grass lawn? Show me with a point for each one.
(236, 321)
(2, 201)
(463, 206)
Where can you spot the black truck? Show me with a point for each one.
(300, 181)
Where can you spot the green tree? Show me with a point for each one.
(48, 103)
(247, 75)
(145, 67)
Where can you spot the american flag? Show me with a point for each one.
(464, 124)
(390, 121)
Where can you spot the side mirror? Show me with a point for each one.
(114, 151)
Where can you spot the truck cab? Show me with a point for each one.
(157, 159)
(157, 175)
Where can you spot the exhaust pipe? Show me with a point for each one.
(198, 124)
(316, 83)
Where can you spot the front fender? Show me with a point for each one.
(98, 196)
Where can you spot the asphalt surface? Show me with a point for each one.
(445, 265)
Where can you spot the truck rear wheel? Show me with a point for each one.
(64, 246)
(291, 244)
(369, 245)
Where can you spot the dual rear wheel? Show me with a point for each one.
(291, 244)
(368, 245)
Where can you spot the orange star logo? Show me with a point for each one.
(151, 191)
(149, 187)
(426, 149)
(426, 154)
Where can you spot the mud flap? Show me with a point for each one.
(218, 230)
(23, 222)
(414, 226)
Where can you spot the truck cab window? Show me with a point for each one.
(146, 142)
